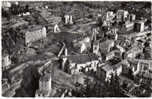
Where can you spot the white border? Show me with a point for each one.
(54, 0)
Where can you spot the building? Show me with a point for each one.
(113, 54)
(6, 61)
(139, 26)
(45, 84)
(106, 70)
(19, 22)
(105, 46)
(132, 53)
(95, 47)
(5, 87)
(142, 66)
(121, 15)
(49, 17)
(129, 25)
(75, 64)
(132, 17)
(117, 68)
(68, 19)
(34, 33)
(112, 34)
(108, 16)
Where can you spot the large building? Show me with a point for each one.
(34, 33)
(129, 25)
(141, 66)
(45, 84)
(121, 15)
(78, 63)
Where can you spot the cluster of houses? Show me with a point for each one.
(105, 58)
(113, 51)
(126, 20)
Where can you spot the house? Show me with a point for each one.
(142, 66)
(132, 53)
(108, 17)
(106, 70)
(105, 46)
(129, 25)
(19, 22)
(121, 15)
(68, 19)
(82, 45)
(75, 64)
(112, 34)
(117, 68)
(45, 84)
(112, 54)
(34, 33)
(6, 61)
(49, 17)
(132, 17)
(139, 26)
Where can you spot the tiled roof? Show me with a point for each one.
(34, 28)
(80, 59)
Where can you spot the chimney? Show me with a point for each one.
(66, 52)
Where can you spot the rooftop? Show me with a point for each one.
(107, 68)
(32, 28)
(106, 44)
(82, 58)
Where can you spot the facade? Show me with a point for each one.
(105, 71)
(95, 47)
(132, 53)
(68, 19)
(45, 84)
(132, 17)
(112, 54)
(106, 46)
(139, 26)
(142, 66)
(129, 26)
(117, 69)
(35, 33)
(121, 15)
(6, 61)
(78, 63)
(112, 34)
(108, 16)
(51, 19)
